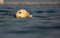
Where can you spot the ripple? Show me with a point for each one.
(51, 11)
(22, 20)
(2, 20)
(46, 27)
(40, 16)
(22, 31)
(8, 7)
(39, 11)
(5, 11)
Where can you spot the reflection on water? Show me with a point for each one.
(45, 22)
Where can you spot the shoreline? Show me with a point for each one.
(31, 3)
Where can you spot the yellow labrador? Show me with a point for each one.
(22, 14)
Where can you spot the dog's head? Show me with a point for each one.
(22, 14)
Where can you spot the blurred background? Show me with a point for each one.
(45, 22)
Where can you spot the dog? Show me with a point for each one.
(22, 13)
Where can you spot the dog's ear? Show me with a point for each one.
(14, 16)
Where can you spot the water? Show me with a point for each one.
(45, 22)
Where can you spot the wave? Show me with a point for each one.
(51, 11)
(39, 11)
(2, 20)
(48, 11)
(21, 31)
(40, 16)
(8, 8)
(32, 29)
(44, 27)
(5, 11)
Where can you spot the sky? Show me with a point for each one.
(32, 0)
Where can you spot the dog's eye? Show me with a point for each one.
(19, 12)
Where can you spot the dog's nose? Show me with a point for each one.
(14, 16)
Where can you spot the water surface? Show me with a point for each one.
(45, 22)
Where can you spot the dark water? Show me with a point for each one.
(45, 22)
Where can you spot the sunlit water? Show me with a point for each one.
(45, 22)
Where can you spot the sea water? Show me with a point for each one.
(45, 22)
